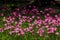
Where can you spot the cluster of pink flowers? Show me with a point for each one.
(49, 24)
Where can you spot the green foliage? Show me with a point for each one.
(24, 25)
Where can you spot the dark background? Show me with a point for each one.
(26, 3)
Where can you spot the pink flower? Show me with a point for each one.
(7, 27)
(53, 21)
(14, 13)
(47, 26)
(16, 30)
(22, 33)
(11, 32)
(24, 11)
(17, 9)
(58, 19)
(48, 14)
(38, 17)
(27, 29)
(20, 23)
(56, 16)
(2, 14)
(52, 10)
(46, 9)
(57, 33)
(1, 30)
(29, 6)
(21, 20)
(41, 11)
(24, 17)
(34, 7)
(28, 20)
(51, 30)
(40, 32)
(8, 23)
